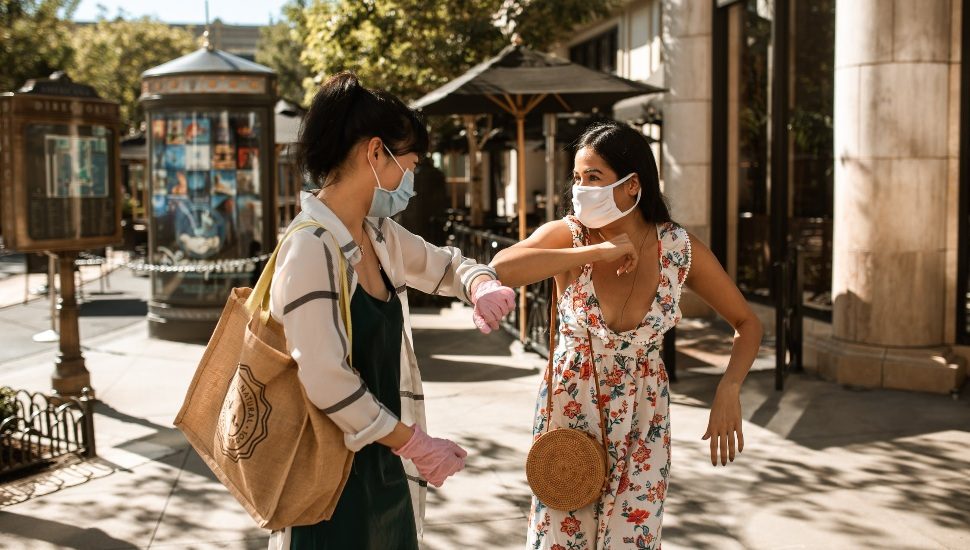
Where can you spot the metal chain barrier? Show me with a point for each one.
(241, 265)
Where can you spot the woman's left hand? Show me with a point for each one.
(725, 423)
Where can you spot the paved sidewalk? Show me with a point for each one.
(824, 467)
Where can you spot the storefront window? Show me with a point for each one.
(811, 58)
(206, 198)
(748, 101)
(811, 145)
(137, 189)
(597, 53)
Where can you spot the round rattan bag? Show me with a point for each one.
(566, 467)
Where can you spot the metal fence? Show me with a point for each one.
(36, 429)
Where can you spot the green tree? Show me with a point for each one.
(34, 39)
(111, 55)
(410, 47)
(280, 46)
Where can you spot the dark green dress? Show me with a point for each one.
(374, 510)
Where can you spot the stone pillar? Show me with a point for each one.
(687, 121)
(893, 138)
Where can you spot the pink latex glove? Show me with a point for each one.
(492, 302)
(436, 459)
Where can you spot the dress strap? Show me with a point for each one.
(579, 231)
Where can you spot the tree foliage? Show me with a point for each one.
(280, 46)
(410, 47)
(111, 55)
(34, 39)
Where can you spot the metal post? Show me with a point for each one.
(87, 404)
(778, 166)
(52, 289)
(520, 130)
(70, 375)
(50, 335)
(549, 126)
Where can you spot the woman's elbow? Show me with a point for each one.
(500, 264)
(753, 327)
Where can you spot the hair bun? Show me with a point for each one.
(343, 113)
(344, 81)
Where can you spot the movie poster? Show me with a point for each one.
(223, 131)
(197, 157)
(197, 131)
(176, 183)
(247, 183)
(205, 201)
(198, 184)
(247, 158)
(199, 230)
(224, 181)
(176, 136)
(223, 157)
(175, 157)
(159, 204)
(158, 130)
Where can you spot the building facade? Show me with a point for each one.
(820, 138)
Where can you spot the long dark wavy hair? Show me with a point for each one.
(626, 150)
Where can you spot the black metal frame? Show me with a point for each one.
(780, 252)
(786, 264)
(719, 132)
(37, 429)
(963, 241)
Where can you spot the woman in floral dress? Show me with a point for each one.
(620, 264)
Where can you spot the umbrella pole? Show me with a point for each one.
(520, 131)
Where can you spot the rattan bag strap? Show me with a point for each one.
(553, 314)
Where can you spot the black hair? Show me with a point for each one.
(626, 150)
(343, 113)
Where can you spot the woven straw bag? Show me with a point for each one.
(248, 416)
(566, 467)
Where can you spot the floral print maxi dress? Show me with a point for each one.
(635, 400)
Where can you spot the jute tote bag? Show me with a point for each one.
(247, 415)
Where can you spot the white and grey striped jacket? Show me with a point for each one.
(304, 300)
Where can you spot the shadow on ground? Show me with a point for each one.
(122, 307)
(467, 356)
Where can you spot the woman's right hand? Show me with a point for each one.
(436, 459)
(620, 247)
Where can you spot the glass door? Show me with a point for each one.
(761, 139)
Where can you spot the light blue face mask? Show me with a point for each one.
(388, 203)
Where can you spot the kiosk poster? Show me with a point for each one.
(76, 166)
(70, 197)
(205, 198)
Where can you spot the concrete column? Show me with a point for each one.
(687, 120)
(893, 147)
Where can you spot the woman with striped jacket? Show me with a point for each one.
(360, 146)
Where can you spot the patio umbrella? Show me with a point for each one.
(520, 81)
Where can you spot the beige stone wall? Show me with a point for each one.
(686, 34)
(953, 177)
(892, 171)
(687, 112)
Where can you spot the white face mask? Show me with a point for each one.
(595, 206)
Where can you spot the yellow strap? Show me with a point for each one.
(259, 298)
